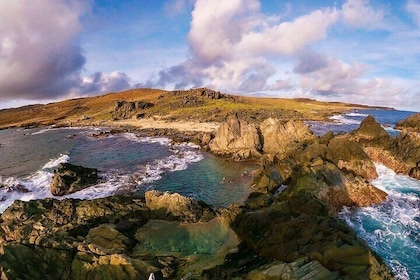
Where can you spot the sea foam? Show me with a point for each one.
(392, 228)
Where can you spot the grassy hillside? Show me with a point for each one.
(199, 105)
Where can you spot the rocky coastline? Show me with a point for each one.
(287, 229)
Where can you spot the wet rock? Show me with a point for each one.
(69, 178)
(237, 139)
(171, 207)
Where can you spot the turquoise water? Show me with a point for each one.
(127, 163)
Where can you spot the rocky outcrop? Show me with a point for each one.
(371, 133)
(411, 123)
(349, 156)
(237, 139)
(106, 238)
(242, 140)
(282, 137)
(126, 109)
(167, 206)
(69, 178)
(401, 154)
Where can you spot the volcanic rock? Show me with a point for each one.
(69, 178)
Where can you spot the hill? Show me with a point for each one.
(198, 105)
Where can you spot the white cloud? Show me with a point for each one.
(231, 43)
(178, 7)
(413, 7)
(40, 57)
(37, 45)
(358, 14)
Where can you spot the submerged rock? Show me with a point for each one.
(69, 178)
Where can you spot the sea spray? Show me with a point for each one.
(392, 228)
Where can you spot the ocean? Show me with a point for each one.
(130, 163)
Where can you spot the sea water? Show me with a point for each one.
(392, 228)
(126, 163)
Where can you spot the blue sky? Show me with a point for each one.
(357, 51)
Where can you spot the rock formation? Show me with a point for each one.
(168, 206)
(411, 123)
(97, 239)
(237, 139)
(282, 137)
(126, 109)
(69, 178)
(401, 154)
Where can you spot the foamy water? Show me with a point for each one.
(392, 228)
(126, 162)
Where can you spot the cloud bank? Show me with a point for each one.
(40, 57)
(238, 48)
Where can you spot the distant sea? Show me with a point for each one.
(129, 163)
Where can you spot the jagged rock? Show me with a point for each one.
(348, 155)
(401, 154)
(281, 138)
(299, 228)
(126, 109)
(170, 207)
(411, 123)
(69, 178)
(371, 133)
(237, 139)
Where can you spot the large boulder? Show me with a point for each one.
(69, 178)
(411, 123)
(167, 206)
(238, 139)
(282, 137)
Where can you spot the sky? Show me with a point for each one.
(357, 51)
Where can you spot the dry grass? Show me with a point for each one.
(168, 106)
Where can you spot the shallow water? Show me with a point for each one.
(127, 163)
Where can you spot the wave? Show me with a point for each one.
(152, 140)
(36, 186)
(392, 228)
(355, 114)
(341, 119)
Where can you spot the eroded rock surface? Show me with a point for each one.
(411, 123)
(238, 139)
